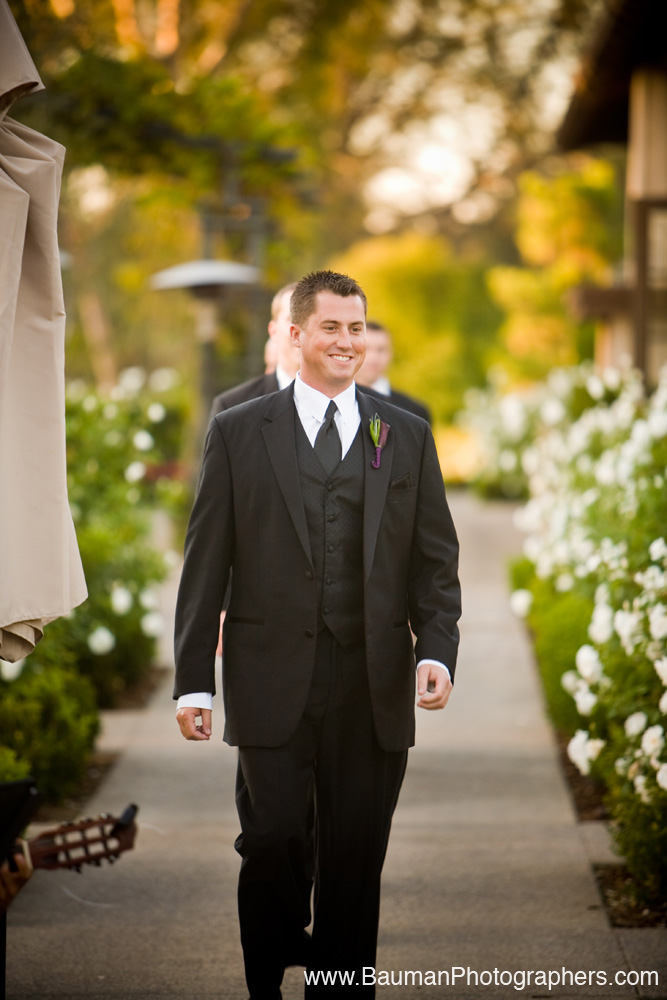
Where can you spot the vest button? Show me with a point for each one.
(329, 487)
(326, 611)
(309, 575)
(328, 581)
(331, 517)
(331, 548)
(309, 633)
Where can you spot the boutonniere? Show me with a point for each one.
(379, 431)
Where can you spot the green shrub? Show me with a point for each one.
(596, 537)
(49, 721)
(640, 834)
(11, 768)
(559, 623)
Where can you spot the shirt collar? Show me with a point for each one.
(315, 402)
(382, 385)
(283, 378)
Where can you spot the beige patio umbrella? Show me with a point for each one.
(41, 576)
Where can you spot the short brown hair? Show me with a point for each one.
(278, 297)
(302, 303)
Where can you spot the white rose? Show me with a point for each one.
(588, 664)
(595, 387)
(570, 681)
(148, 599)
(601, 627)
(143, 441)
(163, 379)
(101, 641)
(577, 751)
(657, 616)
(612, 378)
(152, 624)
(653, 741)
(513, 416)
(552, 411)
(661, 669)
(585, 700)
(635, 723)
(156, 413)
(135, 471)
(662, 704)
(520, 602)
(626, 624)
(121, 600)
(658, 549)
(661, 776)
(131, 380)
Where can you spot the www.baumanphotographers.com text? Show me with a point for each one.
(459, 976)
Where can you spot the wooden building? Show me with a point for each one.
(621, 97)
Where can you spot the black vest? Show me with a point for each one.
(335, 515)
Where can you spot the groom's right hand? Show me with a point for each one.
(187, 721)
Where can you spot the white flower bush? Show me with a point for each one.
(124, 449)
(596, 517)
(509, 423)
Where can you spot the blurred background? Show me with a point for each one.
(494, 174)
(413, 143)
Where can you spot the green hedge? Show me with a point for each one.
(123, 452)
(594, 591)
(48, 725)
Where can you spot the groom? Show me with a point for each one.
(339, 551)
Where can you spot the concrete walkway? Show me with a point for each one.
(487, 869)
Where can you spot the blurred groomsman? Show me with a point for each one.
(372, 376)
(287, 359)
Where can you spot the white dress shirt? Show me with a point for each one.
(311, 406)
(282, 377)
(382, 385)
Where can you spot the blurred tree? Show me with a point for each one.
(429, 108)
(438, 309)
(569, 231)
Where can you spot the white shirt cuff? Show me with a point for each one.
(436, 663)
(198, 699)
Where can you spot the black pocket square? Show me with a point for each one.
(403, 482)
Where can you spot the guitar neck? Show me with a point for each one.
(84, 842)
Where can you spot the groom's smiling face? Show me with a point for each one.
(332, 342)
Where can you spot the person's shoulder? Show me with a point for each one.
(410, 404)
(254, 410)
(253, 388)
(373, 402)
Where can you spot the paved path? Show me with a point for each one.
(487, 867)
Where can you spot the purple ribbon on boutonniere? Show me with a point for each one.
(379, 431)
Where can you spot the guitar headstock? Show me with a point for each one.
(84, 842)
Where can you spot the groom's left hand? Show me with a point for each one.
(433, 686)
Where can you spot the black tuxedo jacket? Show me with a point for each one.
(249, 516)
(262, 385)
(402, 400)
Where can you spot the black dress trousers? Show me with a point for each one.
(356, 786)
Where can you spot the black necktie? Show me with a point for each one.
(327, 442)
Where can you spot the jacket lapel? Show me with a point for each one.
(376, 481)
(278, 431)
